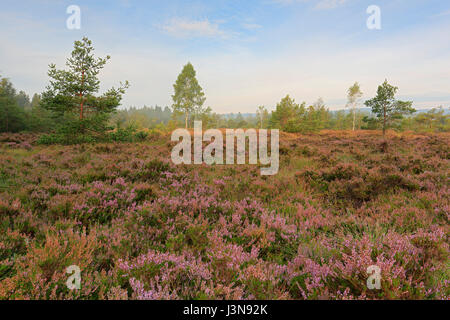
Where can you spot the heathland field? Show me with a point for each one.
(139, 227)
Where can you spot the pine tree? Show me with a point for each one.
(287, 114)
(386, 107)
(12, 117)
(35, 101)
(23, 100)
(71, 94)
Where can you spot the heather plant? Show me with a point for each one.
(139, 227)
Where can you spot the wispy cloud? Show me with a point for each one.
(442, 14)
(286, 2)
(251, 26)
(329, 4)
(293, 52)
(184, 28)
(320, 4)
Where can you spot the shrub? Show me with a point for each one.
(47, 139)
(122, 135)
(141, 135)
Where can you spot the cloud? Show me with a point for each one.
(320, 4)
(329, 4)
(442, 14)
(287, 2)
(251, 26)
(235, 75)
(184, 28)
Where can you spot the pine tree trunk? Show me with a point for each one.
(384, 121)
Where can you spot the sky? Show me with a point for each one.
(246, 53)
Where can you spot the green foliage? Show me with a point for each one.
(12, 117)
(292, 117)
(353, 96)
(146, 117)
(315, 118)
(48, 139)
(40, 119)
(69, 112)
(370, 123)
(286, 115)
(71, 94)
(431, 121)
(23, 100)
(70, 135)
(188, 97)
(141, 135)
(61, 138)
(122, 134)
(263, 117)
(386, 108)
(343, 120)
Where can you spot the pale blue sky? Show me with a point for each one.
(246, 53)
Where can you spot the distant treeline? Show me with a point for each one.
(19, 112)
(310, 119)
(72, 110)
